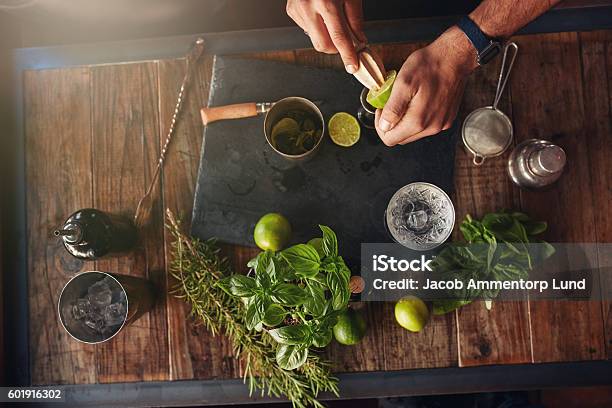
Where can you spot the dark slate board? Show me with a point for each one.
(241, 178)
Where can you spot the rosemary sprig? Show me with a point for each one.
(197, 267)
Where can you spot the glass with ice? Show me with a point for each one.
(95, 306)
(420, 216)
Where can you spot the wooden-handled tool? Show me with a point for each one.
(371, 72)
(235, 111)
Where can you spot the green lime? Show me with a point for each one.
(379, 97)
(411, 313)
(344, 129)
(350, 329)
(317, 243)
(272, 232)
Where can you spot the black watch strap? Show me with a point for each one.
(487, 48)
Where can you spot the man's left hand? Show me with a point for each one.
(428, 90)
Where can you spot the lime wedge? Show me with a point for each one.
(344, 129)
(379, 97)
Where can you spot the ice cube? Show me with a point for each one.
(417, 219)
(114, 314)
(80, 308)
(95, 321)
(99, 294)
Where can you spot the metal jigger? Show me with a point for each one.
(366, 112)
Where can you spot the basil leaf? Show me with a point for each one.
(275, 314)
(315, 300)
(330, 241)
(344, 270)
(339, 289)
(441, 307)
(288, 294)
(522, 217)
(321, 338)
(535, 227)
(291, 357)
(290, 334)
(261, 261)
(253, 316)
(303, 258)
(264, 276)
(242, 286)
(225, 284)
(283, 270)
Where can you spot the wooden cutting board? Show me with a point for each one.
(241, 178)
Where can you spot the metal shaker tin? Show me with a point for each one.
(536, 163)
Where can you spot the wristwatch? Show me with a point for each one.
(486, 48)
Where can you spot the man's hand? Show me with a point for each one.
(331, 24)
(427, 91)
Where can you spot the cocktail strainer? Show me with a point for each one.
(487, 132)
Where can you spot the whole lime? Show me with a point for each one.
(411, 313)
(351, 328)
(272, 232)
(317, 243)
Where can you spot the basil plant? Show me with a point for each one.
(295, 295)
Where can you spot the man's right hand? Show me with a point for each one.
(329, 24)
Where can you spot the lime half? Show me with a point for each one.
(379, 97)
(344, 129)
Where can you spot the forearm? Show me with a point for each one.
(502, 18)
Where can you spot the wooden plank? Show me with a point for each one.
(194, 352)
(125, 133)
(434, 346)
(596, 49)
(500, 335)
(547, 102)
(58, 163)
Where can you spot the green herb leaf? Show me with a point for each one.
(441, 307)
(303, 258)
(330, 241)
(274, 315)
(344, 270)
(261, 261)
(315, 299)
(288, 294)
(339, 289)
(291, 335)
(253, 315)
(225, 284)
(291, 357)
(321, 338)
(242, 286)
(535, 227)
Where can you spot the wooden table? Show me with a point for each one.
(93, 134)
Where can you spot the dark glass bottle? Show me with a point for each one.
(90, 234)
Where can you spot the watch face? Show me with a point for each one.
(489, 52)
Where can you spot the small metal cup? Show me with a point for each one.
(277, 112)
(366, 112)
(140, 295)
